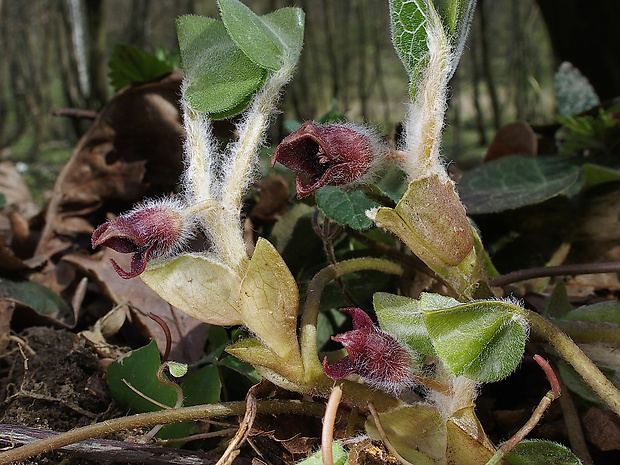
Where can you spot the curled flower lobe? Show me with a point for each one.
(338, 154)
(378, 358)
(149, 230)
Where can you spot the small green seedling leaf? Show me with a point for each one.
(456, 16)
(347, 208)
(198, 285)
(483, 340)
(139, 369)
(558, 304)
(177, 369)
(270, 41)
(401, 317)
(221, 78)
(538, 452)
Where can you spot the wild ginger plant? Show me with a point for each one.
(241, 65)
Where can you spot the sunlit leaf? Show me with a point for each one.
(347, 208)
(268, 300)
(270, 40)
(220, 76)
(339, 456)
(198, 285)
(483, 340)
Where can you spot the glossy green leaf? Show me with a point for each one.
(401, 317)
(347, 208)
(270, 40)
(483, 340)
(516, 181)
(538, 452)
(131, 64)
(139, 369)
(220, 77)
(198, 285)
(202, 386)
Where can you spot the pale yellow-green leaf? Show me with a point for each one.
(467, 444)
(198, 285)
(417, 432)
(268, 302)
(267, 363)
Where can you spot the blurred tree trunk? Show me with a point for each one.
(586, 34)
(487, 74)
(98, 64)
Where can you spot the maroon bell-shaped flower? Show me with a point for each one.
(378, 358)
(147, 231)
(338, 154)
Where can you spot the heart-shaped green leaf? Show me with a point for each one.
(516, 181)
(270, 41)
(348, 208)
(219, 75)
(483, 340)
(198, 285)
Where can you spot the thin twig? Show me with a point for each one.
(384, 438)
(559, 270)
(157, 319)
(244, 428)
(543, 405)
(199, 412)
(327, 432)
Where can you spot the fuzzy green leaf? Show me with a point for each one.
(198, 285)
(516, 181)
(221, 78)
(339, 456)
(347, 208)
(409, 34)
(270, 41)
(540, 453)
(483, 340)
(605, 312)
(456, 16)
(401, 317)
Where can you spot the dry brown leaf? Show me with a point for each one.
(188, 335)
(602, 429)
(516, 138)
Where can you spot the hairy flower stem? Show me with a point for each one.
(571, 353)
(199, 412)
(310, 311)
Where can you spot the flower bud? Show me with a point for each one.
(150, 230)
(338, 154)
(378, 358)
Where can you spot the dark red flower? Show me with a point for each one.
(328, 155)
(150, 230)
(378, 358)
